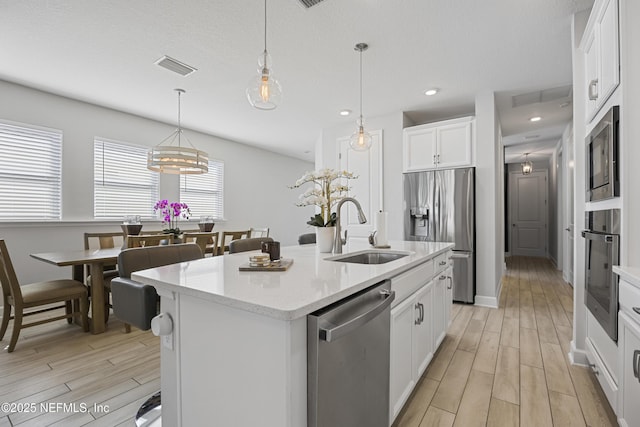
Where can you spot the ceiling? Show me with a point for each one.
(104, 52)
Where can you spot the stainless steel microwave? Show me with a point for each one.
(603, 181)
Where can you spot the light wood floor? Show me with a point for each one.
(509, 366)
(500, 367)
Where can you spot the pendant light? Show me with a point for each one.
(527, 166)
(360, 140)
(176, 159)
(264, 91)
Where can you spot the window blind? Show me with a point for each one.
(122, 184)
(204, 193)
(30, 172)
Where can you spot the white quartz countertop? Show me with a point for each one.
(628, 274)
(312, 282)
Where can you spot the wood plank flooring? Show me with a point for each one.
(496, 367)
(509, 366)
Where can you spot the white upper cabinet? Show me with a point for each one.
(440, 145)
(600, 45)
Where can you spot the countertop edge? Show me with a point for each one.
(296, 313)
(628, 274)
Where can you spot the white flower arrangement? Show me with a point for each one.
(324, 193)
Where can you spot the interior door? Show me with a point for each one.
(528, 199)
(367, 189)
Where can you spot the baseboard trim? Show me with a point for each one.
(578, 357)
(491, 302)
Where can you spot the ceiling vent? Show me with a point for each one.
(563, 93)
(175, 66)
(309, 3)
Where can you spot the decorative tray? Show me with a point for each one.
(281, 265)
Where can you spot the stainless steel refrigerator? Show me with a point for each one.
(440, 207)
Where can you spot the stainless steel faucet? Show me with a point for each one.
(339, 242)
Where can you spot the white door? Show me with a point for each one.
(367, 188)
(401, 380)
(568, 219)
(528, 200)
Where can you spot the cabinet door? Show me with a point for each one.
(419, 149)
(454, 145)
(609, 52)
(591, 74)
(630, 371)
(438, 317)
(401, 380)
(422, 330)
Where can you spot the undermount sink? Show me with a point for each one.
(369, 257)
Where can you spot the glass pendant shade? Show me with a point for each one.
(176, 159)
(264, 91)
(360, 140)
(527, 166)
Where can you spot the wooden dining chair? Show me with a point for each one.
(203, 239)
(258, 232)
(35, 295)
(144, 240)
(103, 241)
(249, 244)
(228, 236)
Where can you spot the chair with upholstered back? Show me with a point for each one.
(306, 239)
(103, 241)
(201, 238)
(244, 245)
(144, 240)
(37, 294)
(258, 232)
(228, 236)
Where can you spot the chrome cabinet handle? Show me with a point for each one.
(593, 90)
(417, 307)
(421, 312)
(594, 368)
(636, 309)
(442, 277)
(443, 263)
(450, 282)
(434, 159)
(636, 361)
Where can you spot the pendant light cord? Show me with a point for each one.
(265, 28)
(360, 87)
(179, 121)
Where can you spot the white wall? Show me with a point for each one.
(489, 201)
(256, 181)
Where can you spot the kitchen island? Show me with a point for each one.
(236, 353)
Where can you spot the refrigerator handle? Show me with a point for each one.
(469, 204)
(459, 255)
(333, 334)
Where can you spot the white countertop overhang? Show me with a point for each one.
(311, 283)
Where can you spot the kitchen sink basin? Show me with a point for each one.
(369, 257)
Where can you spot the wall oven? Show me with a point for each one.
(602, 249)
(603, 180)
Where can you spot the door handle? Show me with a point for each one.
(636, 358)
(333, 334)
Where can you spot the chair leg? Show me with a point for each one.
(6, 315)
(84, 313)
(127, 328)
(17, 325)
(107, 306)
(68, 310)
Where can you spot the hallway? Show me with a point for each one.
(509, 366)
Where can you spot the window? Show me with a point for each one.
(204, 193)
(30, 172)
(122, 184)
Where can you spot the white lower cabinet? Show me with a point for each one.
(629, 332)
(448, 298)
(411, 345)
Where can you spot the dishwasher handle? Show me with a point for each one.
(332, 334)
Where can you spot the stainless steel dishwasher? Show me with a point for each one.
(348, 361)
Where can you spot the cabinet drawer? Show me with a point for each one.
(598, 367)
(441, 262)
(629, 299)
(409, 282)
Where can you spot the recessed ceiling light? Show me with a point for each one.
(345, 112)
(535, 119)
(431, 92)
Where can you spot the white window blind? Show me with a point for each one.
(122, 184)
(30, 172)
(204, 193)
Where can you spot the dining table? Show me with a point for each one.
(96, 259)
